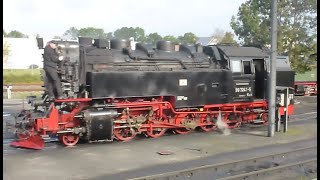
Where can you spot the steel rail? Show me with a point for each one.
(270, 171)
(223, 169)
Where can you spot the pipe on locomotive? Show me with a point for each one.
(137, 58)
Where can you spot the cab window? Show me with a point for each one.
(247, 67)
(236, 66)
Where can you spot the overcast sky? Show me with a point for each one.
(167, 17)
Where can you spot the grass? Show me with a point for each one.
(21, 76)
(307, 76)
(22, 95)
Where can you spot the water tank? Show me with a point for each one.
(165, 46)
(119, 43)
(85, 41)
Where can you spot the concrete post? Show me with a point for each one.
(9, 91)
(272, 77)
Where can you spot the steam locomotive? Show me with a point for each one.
(116, 90)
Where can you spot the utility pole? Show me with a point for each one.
(272, 76)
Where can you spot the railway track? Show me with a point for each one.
(303, 161)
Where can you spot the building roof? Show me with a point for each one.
(204, 40)
(238, 51)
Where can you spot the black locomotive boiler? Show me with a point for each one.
(116, 91)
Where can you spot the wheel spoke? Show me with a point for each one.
(157, 132)
(124, 134)
(70, 139)
(207, 128)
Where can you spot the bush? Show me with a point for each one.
(21, 76)
(33, 66)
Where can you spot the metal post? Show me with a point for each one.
(272, 77)
(285, 122)
(278, 120)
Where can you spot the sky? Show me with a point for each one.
(166, 17)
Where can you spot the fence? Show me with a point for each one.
(20, 91)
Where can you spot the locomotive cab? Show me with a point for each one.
(249, 71)
(67, 68)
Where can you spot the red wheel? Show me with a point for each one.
(207, 120)
(70, 139)
(232, 122)
(182, 131)
(124, 134)
(264, 118)
(307, 93)
(157, 132)
(188, 119)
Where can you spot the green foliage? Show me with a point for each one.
(6, 51)
(92, 32)
(306, 76)
(228, 38)
(188, 38)
(4, 33)
(170, 38)
(22, 95)
(16, 34)
(72, 33)
(153, 38)
(218, 35)
(33, 66)
(109, 35)
(137, 33)
(127, 32)
(297, 27)
(223, 37)
(56, 37)
(21, 76)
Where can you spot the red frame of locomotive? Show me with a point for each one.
(310, 86)
(159, 116)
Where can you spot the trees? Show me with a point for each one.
(109, 35)
(297, 26)
(33, 66)
(153, 38)
(127, 32)
(223, 37)
(14, 34)
(188, 38)
(92, 32)
(228, 38)
(218, 35)
(57, 37)
(170, 38)
(72, 33)
(137, 33)
(6, 52)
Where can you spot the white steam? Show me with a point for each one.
(222, 125)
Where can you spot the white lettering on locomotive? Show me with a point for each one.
(243, 89)
(183, 82)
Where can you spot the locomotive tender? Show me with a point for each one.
(115, 92)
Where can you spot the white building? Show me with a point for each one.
(23, 52)
(206, 41)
